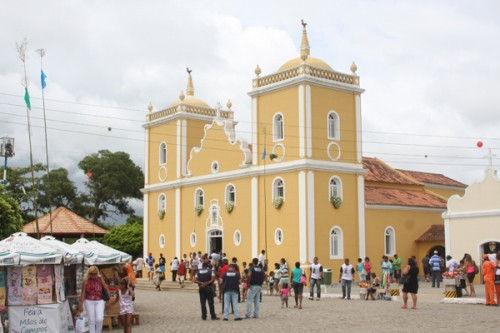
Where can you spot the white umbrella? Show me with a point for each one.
(125, 257)
(70, 254)
(31, 250)
(96, 255)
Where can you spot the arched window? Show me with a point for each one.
(336, 243)
(333, 125)
(162, 203)
(237, 238)
(192, 239)
(163, 153)
(335, 187)
(161, 241)
(230, 193)
(198, 201)
(278, 188)
(278, 127)
(390, 241)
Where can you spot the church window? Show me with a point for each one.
(237, 238)
(278, 189)
(192, 239)
(163, 153)
(161, 240)
(389, 241)
(162, 205)
(335, 188)
(278, 236)
(230, 193)
(278, 127)
(336, 243)
(198, 201)
(215, 167)
(333, 126)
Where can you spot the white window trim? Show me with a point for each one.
(160, 242)
(193, 239)
(340, 255)
(273, 196)
(393, 241)
(164, 202)
(276, 239)
(339, 186)
(227, 193)
(336, 127)
(160, 150)
(236, 235)
(196, 197)
(275, 138)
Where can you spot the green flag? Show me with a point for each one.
(27, 98)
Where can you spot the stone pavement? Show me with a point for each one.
(172, 311)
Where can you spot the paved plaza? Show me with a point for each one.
(172, 311)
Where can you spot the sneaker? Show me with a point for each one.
(225, 319)
(311, 298)
(239, 318)
(216, 318)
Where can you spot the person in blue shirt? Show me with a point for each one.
(435, 266)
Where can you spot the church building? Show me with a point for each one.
(301, 188)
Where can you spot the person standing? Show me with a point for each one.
(125, 296)
(316, 276)
(361, 270)
(205, 278)
(181, 273)
(262, 257)
(489, 269)
(297, 286)
(368, 268)
(138, 265)
(396, 265)
(411, 286)
(386, 267)
(150, 261)
(230, 282)
(91, 297)
(174, 267)
(426, 267)
(161, 264)
(435, 267)
(256, 278)
(451, 264)
(346, 277)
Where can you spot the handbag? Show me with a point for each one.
(303, 280)
(80, 324)
(105, 294)
(476, 269)
(404, 279)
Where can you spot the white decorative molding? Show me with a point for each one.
(328, 148)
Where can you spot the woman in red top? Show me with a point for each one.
(91, 296)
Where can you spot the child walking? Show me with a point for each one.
(124, 296)
(284, 295)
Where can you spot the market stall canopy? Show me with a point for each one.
(70, 254)
(96, 253)
(65, 224)
(7, 258)
(30, 250)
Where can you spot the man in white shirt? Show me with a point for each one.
(138, 265)
(451, 264)
(261, 258)
(316, 276)
(346, 276)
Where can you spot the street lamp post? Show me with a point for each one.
(6, 151)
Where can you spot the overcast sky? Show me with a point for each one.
(430, 71)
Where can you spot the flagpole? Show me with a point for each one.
(47, 190)
(21, 49)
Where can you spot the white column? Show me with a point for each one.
(361, 216)
(178, 222)
(311, 218)
(255, 215)
(359, 130)
(302, 197)
(178, 163)
(308, 121)
(255, 133)
(302, 121)
(145, 205)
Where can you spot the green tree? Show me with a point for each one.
(113, 178)
(135, 219)
(10, 214)
(126, 238)
(57, 188)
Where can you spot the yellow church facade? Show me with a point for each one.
(301, 188)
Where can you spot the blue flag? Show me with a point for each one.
(44, 84)
(264, 153)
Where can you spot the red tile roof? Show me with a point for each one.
(434, 233)
(402, 197)
(378, 171)
(64, 223)
(432, 178)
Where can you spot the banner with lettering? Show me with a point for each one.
(39, 318)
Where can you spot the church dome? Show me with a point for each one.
(315, 62)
